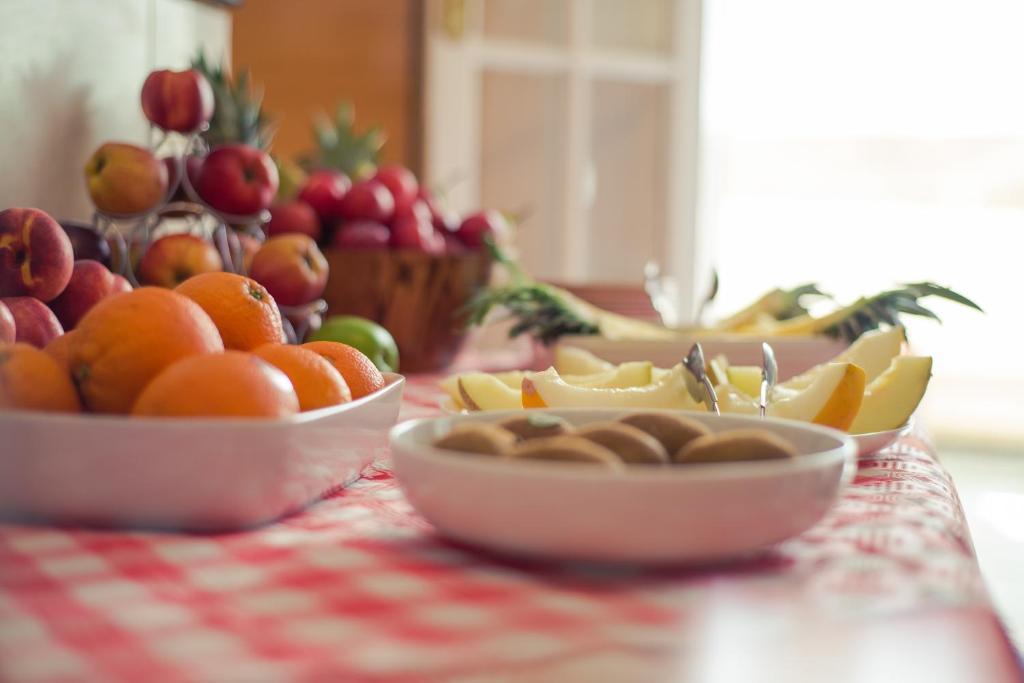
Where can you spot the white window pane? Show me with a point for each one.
(870, 144)
(522, 164)
(632, 25)
(628, 179)
(544, 22)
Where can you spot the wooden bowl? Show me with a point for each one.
(419, 298)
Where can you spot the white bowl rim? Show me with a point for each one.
(391, 381)
(895, 431)
(846, 448)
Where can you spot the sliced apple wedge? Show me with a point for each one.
(632, 374)
(873, 352)
(892, 398)
(832, 399)
(572, 360)
(548, 389)
(480, 391)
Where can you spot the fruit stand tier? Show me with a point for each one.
(358, 587)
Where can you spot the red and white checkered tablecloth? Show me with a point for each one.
(358, 588)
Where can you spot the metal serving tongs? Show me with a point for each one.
(694, 362)
(769, 375)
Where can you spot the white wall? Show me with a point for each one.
(71, 76)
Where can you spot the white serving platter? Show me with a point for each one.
(698, 513)
(202, 474)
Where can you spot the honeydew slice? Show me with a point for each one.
(892, 398)
(832, 399)
(481, 391)
(572, 360)
(548, 389)
(631, 374)
(873, 352)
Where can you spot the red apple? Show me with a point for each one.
(452, 244)
(400, 182)
(125, 179)
(442, 217)
(237, 179)
(324, 190)
(292, 269)
(410, 231)
(477, 226)
(172, 259)
(368, 199)
(363, 235)
(181, 101)
(294, 216)
(34, 323)
(87, 242)
(35, 254)
(90, 283)
(8, 328)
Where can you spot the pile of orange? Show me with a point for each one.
(212, 347)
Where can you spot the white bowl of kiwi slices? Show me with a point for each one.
(612, 485)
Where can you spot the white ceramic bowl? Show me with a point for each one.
(681, 514)
(196, 474)
(872, 442)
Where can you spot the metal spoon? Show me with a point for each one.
(769, 375)
(694, 362)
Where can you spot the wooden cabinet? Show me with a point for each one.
(311, 55)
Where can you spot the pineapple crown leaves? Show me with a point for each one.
(238, 115)
(537, 310)
(793, 300)
(886, 307)
(340, 147)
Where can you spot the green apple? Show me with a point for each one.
(363, 334)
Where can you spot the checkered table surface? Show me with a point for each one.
(359, 588)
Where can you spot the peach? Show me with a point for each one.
(35, 255)
(90, 283)
(34, 323)
(172, 259)
(292, 269)
(125, 179)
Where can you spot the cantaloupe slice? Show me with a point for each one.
(832, 399)
(873, 352)
(547, 389)
(892, 398)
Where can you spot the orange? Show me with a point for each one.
(362, 376)
(227, 384)
(32, 380)
(125, 340)
(242, 309)
(316, 382)
(59, 349)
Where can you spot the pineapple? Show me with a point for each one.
(340, 147)
(238, 115)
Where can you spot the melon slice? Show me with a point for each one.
(548, 389)
(632, 374)
(572, 360)
(892, 398)
(832, 399)
(480, 391)
(873, 352)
